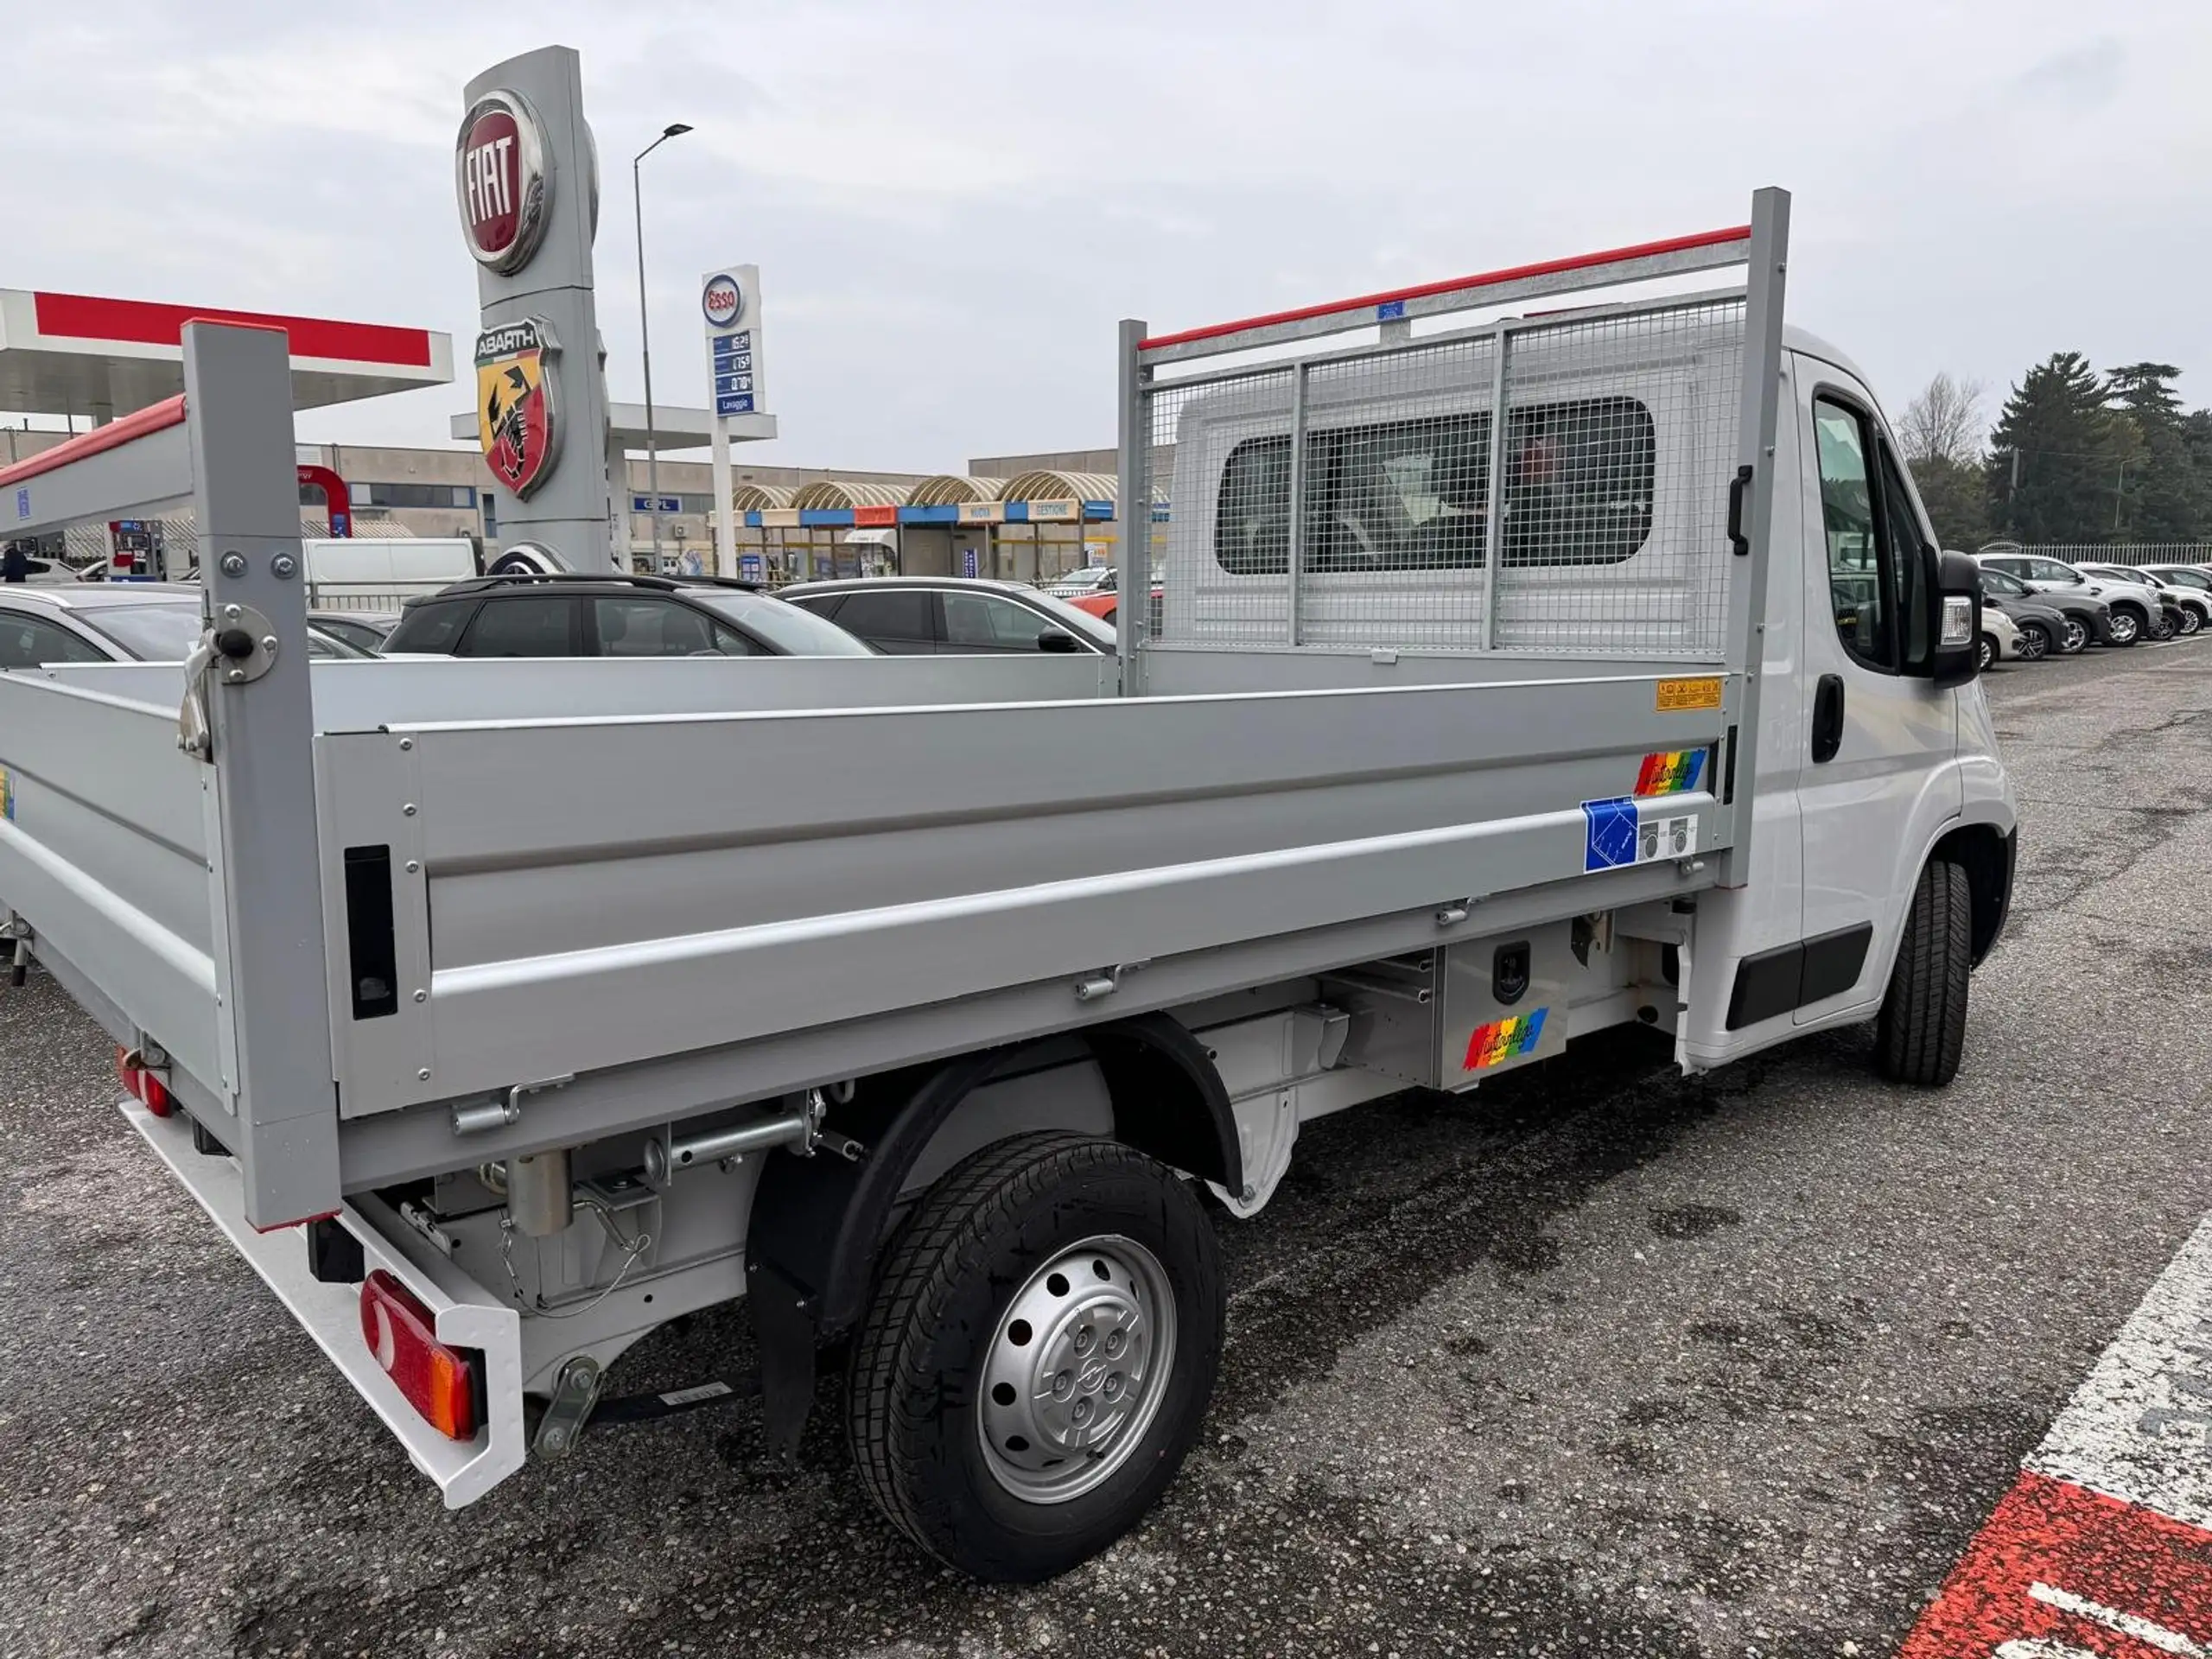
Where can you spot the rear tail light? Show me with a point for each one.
(142, 1085)
(439, 1382)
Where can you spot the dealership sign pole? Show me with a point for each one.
(526, 183)
(729, 298)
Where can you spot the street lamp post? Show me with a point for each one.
(674, 129)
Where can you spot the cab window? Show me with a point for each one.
(2052, 570)
(1860, 589)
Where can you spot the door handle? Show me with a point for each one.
(1828, 718)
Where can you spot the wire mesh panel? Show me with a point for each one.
(1620, 439)
(1372, 499)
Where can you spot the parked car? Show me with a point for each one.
(952, 616)
(1092, 579)
(122, 622)
(2137, 611)
(2189, 608)
(581, 614)
(1999, 640)
(2051, 624)
(365, 631)
(2192, 582)
(1106, 605)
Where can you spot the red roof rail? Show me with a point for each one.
(1470, 287)
(155, 417)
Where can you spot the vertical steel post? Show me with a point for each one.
(1134, 579)
(1295, 561)
(1494, 489)
(270, 954)
(1757, 419)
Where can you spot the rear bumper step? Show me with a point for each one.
(467, 1316)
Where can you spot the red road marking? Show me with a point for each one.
(2078, 1572)
(2103, 1548)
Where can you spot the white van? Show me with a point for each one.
(370, 573)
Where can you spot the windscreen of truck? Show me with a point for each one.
(1414, 494)
(790, 628)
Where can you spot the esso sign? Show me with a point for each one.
(499, 181)
(722, 301)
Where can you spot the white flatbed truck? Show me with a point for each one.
(1514, 679)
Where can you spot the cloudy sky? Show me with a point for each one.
(952, 202)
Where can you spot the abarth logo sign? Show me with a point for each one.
(517, 418)
(500, 181)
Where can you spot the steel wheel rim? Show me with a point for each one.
(1076, 1369)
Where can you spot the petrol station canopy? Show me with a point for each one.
(74, 354)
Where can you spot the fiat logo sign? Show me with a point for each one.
(499, 181)
(722, 301)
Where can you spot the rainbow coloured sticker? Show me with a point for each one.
(1505, 1040)
(1670, 771)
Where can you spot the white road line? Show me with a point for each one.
(2140, 1428)
(2143, 1629)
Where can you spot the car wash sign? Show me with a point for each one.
(499, 181)
(517, 415)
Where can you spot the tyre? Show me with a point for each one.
(2188, 620)
(2161, 626)
(2035, 642)
(1921, 1030)
(2075, 640)
(1984, 652)
(1037, 1356)
(2127, 627)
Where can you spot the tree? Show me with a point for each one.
(2166, 495)
(1941, 433)
(1956, 495)
(1944, 423)
(2056, 456)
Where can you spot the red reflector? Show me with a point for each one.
(439, 1382)
(143, 1086)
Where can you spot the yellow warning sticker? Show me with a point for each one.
(1683, 697)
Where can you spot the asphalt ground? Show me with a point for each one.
(1601, 1361)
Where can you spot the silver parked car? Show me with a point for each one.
(117, 622)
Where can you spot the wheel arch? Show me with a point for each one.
(818, 1224)
(1986, 854)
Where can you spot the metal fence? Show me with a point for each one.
(1375, 497)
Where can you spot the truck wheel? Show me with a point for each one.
(1921, 1030)
(1039, 1355)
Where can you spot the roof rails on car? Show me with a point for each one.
(659, 584)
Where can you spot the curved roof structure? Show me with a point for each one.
(751, 498)
(950, 489)
(1061, 486)
(846, 492)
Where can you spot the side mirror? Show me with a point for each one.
(1954, 596)
(1058, 641)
